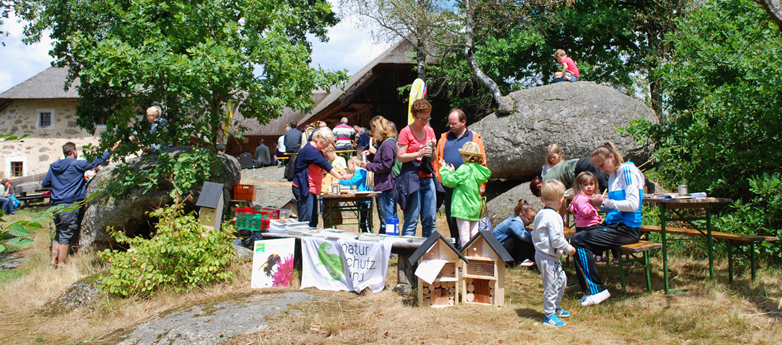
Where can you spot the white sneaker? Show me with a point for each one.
(582, 299)
(527, 263)
(596, 298)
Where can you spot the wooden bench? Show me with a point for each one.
(629, 250)
(730, 239)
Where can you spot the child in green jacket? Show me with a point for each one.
(466, 182)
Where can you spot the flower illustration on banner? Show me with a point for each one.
(284, 274)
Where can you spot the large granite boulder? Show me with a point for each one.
(577, 116)
(130, 212)
(502, 205)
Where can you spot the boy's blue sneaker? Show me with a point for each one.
(553, 320)
(562, 312)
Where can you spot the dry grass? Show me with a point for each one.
(710, 312)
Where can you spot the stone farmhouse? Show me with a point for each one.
(40, 107)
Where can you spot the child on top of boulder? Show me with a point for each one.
(569, 69)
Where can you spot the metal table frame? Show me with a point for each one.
(351, 203)
(674, 205)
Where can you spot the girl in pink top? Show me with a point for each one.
(585, 214)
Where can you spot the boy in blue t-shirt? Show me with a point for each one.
(359, 180)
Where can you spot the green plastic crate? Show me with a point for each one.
(253, 221)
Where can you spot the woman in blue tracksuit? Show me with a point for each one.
(622, 222)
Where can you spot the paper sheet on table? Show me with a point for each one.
(429, 269)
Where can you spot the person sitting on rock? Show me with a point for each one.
(569, 69)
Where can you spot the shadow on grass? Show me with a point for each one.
(532, 314)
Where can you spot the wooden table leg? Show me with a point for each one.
(405, 275)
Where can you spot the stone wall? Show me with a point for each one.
(44, 145)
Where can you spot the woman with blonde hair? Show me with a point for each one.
(308, 175)
(622, 223)
(382, 164)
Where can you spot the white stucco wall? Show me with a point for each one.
(44, 145)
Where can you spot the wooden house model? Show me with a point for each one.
(211, 203)
(444, 290)
(483, 273)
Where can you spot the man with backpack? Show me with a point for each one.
(448, 149)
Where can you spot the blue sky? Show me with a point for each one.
(348, 48)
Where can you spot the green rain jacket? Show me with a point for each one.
(466, 181)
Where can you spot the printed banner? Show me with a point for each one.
(273, 263)
(344, 264)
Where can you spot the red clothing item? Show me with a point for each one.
(406, 137)
(571, 66)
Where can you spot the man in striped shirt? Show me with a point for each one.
(344, 134)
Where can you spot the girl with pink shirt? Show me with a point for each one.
(585, 214)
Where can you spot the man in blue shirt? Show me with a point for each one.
(66, 179)
(448, 149)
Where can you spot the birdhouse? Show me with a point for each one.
(211, 203)
(483, 276)
(444, 288)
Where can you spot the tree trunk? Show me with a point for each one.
(502, 107)
(656, 93)
(774, 9)
(420, 51)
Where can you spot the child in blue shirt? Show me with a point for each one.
(359, 180)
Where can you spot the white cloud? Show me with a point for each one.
(21, 61)
(348, 48)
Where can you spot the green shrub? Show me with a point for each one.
(762, 215)
(181, 255)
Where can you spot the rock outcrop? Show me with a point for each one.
(502, 206)
(577, 116)
(130, 212)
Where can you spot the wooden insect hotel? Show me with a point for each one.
(483, 272)
(444, 290)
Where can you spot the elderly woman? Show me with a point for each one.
(416, 188)
(382, 165)
(308, 175)
(622, 222)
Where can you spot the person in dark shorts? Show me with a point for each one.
(66, 179)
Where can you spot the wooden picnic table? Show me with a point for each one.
(675, 205)
(352, 203)
(345, 153)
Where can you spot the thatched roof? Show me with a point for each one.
(337, 99)
(275, 126)
(47, 84)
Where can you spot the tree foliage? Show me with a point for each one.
(189, 57)
(722, 124)
(614, 42)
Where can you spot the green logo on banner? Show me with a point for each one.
(333, 262)
(260, 247)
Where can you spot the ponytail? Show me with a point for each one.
(606, 149)
(521, 207)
